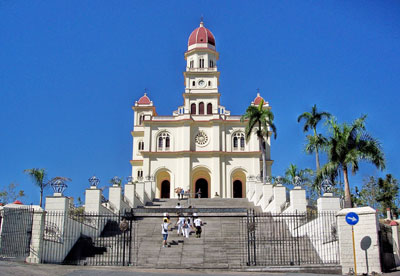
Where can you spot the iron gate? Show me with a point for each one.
(89, 239)
(16, 232)
(289, 239)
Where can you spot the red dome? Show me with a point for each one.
(18, 202)
(201, 35)
(144, 99)
(258, 99)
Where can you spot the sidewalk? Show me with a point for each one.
(22, 269)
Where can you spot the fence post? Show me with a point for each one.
(248, 239)
(36, 244)
(297, 237)
(254, 238)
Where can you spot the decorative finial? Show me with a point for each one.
(326, 185)
(94, 181)
(145, 91)
(258, 92)
(201, 21)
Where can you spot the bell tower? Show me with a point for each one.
(201, 75)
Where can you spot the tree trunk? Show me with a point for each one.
(261, 140)
(347, 195)
(317, 158)
(316, 152)
(41, 198)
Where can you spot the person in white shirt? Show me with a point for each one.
(186, 229)
(180, 223)
(198, 223)
(164, 231)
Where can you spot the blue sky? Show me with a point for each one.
(71, 70)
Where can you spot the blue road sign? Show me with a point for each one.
(352, 218)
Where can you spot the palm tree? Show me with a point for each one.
(348, 145)
(260, 120)
(39, 178)
(292, 171)
(316, 141)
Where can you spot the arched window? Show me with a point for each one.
(211, 63)
(141, 119)
(140, 175)
(191, 63)
(235, 142)
(201, 62)
(201, 108)
(209, 108)
(238, 141)
(164, 141)
(209, 83)
(141, 145)
(193, 83)
(193, 109)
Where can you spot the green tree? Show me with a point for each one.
(348, 145)
(10, 194)
(39, 178)
(388, 193)
(261, 121)
(315, 141)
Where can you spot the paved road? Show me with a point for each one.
(22, 269)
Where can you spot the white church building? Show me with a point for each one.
(201, 145)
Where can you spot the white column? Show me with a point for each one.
(395, 237)
(328, 203)
(279, 197)
(148, 191)
(215, 177)
(130, 194)
(268, 192)
(36, 245)
(92, 200)
(258, 192)
(298, 200)
(140, 192)
(114, 197)
(366, 228)
(250, 189)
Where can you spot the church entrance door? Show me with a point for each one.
(237, 189)
(201, 184)
(165, 189)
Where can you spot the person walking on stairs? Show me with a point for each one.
(180, 223)
(164, 231)
(198, 223)
(186, 229)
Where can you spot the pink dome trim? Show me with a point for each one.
(201, 35)
(144, 100)
(258, 99)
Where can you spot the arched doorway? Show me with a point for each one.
(165, 189)
(202, 184)
(237, 189)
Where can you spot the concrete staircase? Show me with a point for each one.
(218, 248)
(222, 244)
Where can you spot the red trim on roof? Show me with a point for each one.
(144, 100)
(201, 35)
